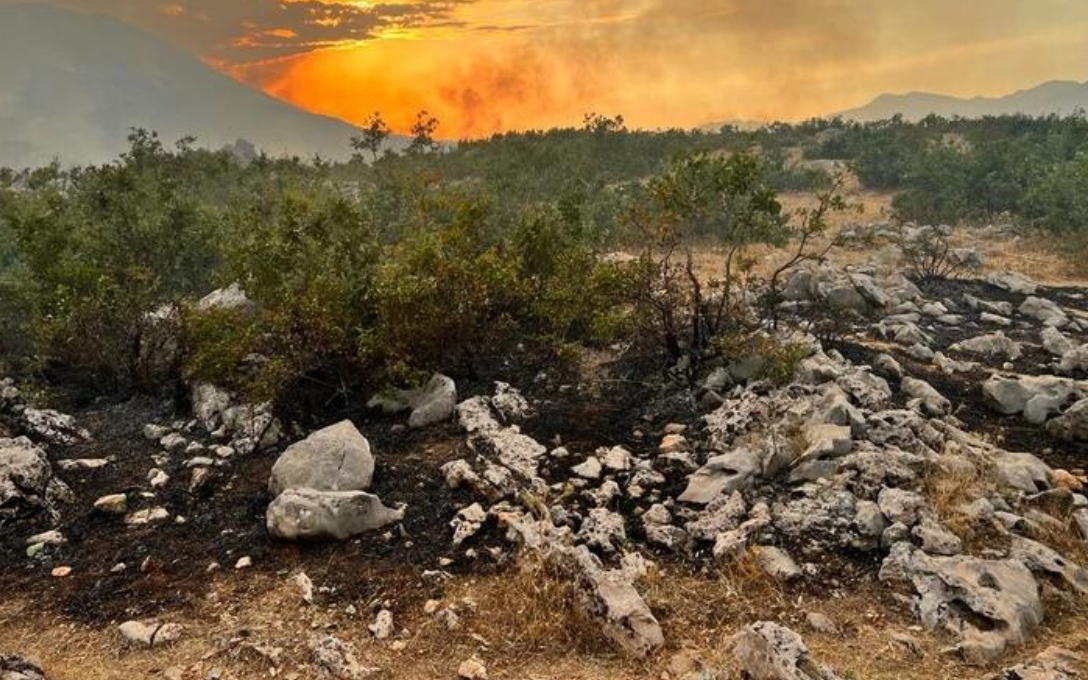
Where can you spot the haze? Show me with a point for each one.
(483, 66)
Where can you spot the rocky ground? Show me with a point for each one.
(908, 504)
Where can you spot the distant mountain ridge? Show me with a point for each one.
(72, 86)
(1062, 97)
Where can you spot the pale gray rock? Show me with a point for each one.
(768, 651)
(900, 505)
(995, 345)
(1055, 342)
(1013, 282)
(954, 592)
(1048, 312)
(308, 514)
(1036, 397)
(335, 659)
(1071, 425)
(936, 539)
(928, 399)
(603, 530)
(150, 633)
(52, 426)
(722, 474)
(1054, 663)
(336, 458)
(777, 563)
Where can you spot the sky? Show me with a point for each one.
(484, 66)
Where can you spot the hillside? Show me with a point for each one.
(1057, 97)
(72, 85)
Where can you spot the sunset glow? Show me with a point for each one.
(483, 66)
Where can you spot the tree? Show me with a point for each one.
(372, 137)
(423, 134)
(726, 201)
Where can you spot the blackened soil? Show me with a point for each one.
(965, 389)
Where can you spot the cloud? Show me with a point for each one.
(490, 65)
(239, 31)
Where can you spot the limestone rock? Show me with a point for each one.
(726, 473)
(336, 458)
(768, 651)
(310, 514)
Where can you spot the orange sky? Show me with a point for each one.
(483, 66)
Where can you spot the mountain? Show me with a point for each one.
(1061, 97)
(72, 85)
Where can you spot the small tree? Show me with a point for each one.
(704, 198)
(811, 225)
(423, 130)
(372, 137)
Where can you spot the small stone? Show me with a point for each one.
(821, 623)
(61, 572)
(150, 633)
(382, 628)
(472, 669)
(113, 504)
(244, 563)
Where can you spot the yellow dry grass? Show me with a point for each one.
(521, 625)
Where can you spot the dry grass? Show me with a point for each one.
(522, 626)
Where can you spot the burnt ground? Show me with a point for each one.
(965, 389)
(167, 565)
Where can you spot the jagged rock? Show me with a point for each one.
(336, 458)
(82, 464)
(992, 345)
(603, 530)
(467, 523)
(303, 513)
(887, 366)
(26, 478)
(610, 598)
(150, 633)
(957, 592)
(1071, 425)
(950, 366)
(434, 403)
(1013, 282)
(722, 474)
(768, 651)
(823, 517)
(1045, 311)
(252, 426)
(821, 623)
(902, 506)
(1037, 397)
(52, 426)
(590, 468)
(931, 402)
(335, 659)
(17, 668)
(509, 403)
(1055, 342)
(1054, 663)
(232, 298)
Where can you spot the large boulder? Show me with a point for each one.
(1037, 397)
(1013, 282)
(26, 478)
(992, 600)
(336, 458)
(1048, 312)
(318, 515)
(768, 651)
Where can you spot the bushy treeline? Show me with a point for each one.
(361, 275)
(951, 170)
(370, 273)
